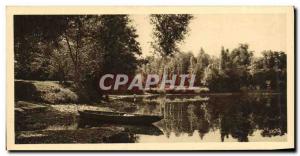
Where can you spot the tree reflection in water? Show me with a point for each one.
(236, 116)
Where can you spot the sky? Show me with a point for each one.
(212, 31)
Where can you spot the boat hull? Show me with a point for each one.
(118, 118)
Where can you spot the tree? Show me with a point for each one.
(225, 60)
(232, 72)
(116, 41)
(32, 34)
(241, 57)
(202, 62)
(78, 41)
(169, 30)
(75, 47)
(60, 64)
(270, 70)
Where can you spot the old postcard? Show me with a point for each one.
(150, 78)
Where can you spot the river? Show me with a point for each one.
(211, 118)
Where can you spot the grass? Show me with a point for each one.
(44, 91)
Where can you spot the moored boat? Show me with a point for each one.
(118, 117)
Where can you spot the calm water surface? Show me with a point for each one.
(226, 118)
(240, 118)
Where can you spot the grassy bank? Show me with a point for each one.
(45, 91)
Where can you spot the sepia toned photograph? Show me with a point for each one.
(150, 78)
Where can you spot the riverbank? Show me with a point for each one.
(60, 123)
(45, 91)
(53, 92)
(47, 112)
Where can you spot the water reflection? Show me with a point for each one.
(133, 129)
(233, 117)
(254, 117)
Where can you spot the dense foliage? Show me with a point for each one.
(169, 30)
(74, 47)
(236, 70)
(82, 48)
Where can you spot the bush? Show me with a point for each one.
(44, 91)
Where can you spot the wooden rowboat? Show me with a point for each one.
(119, 118)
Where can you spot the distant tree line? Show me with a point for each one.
(236, 70)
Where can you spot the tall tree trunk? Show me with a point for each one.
(74, 60)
